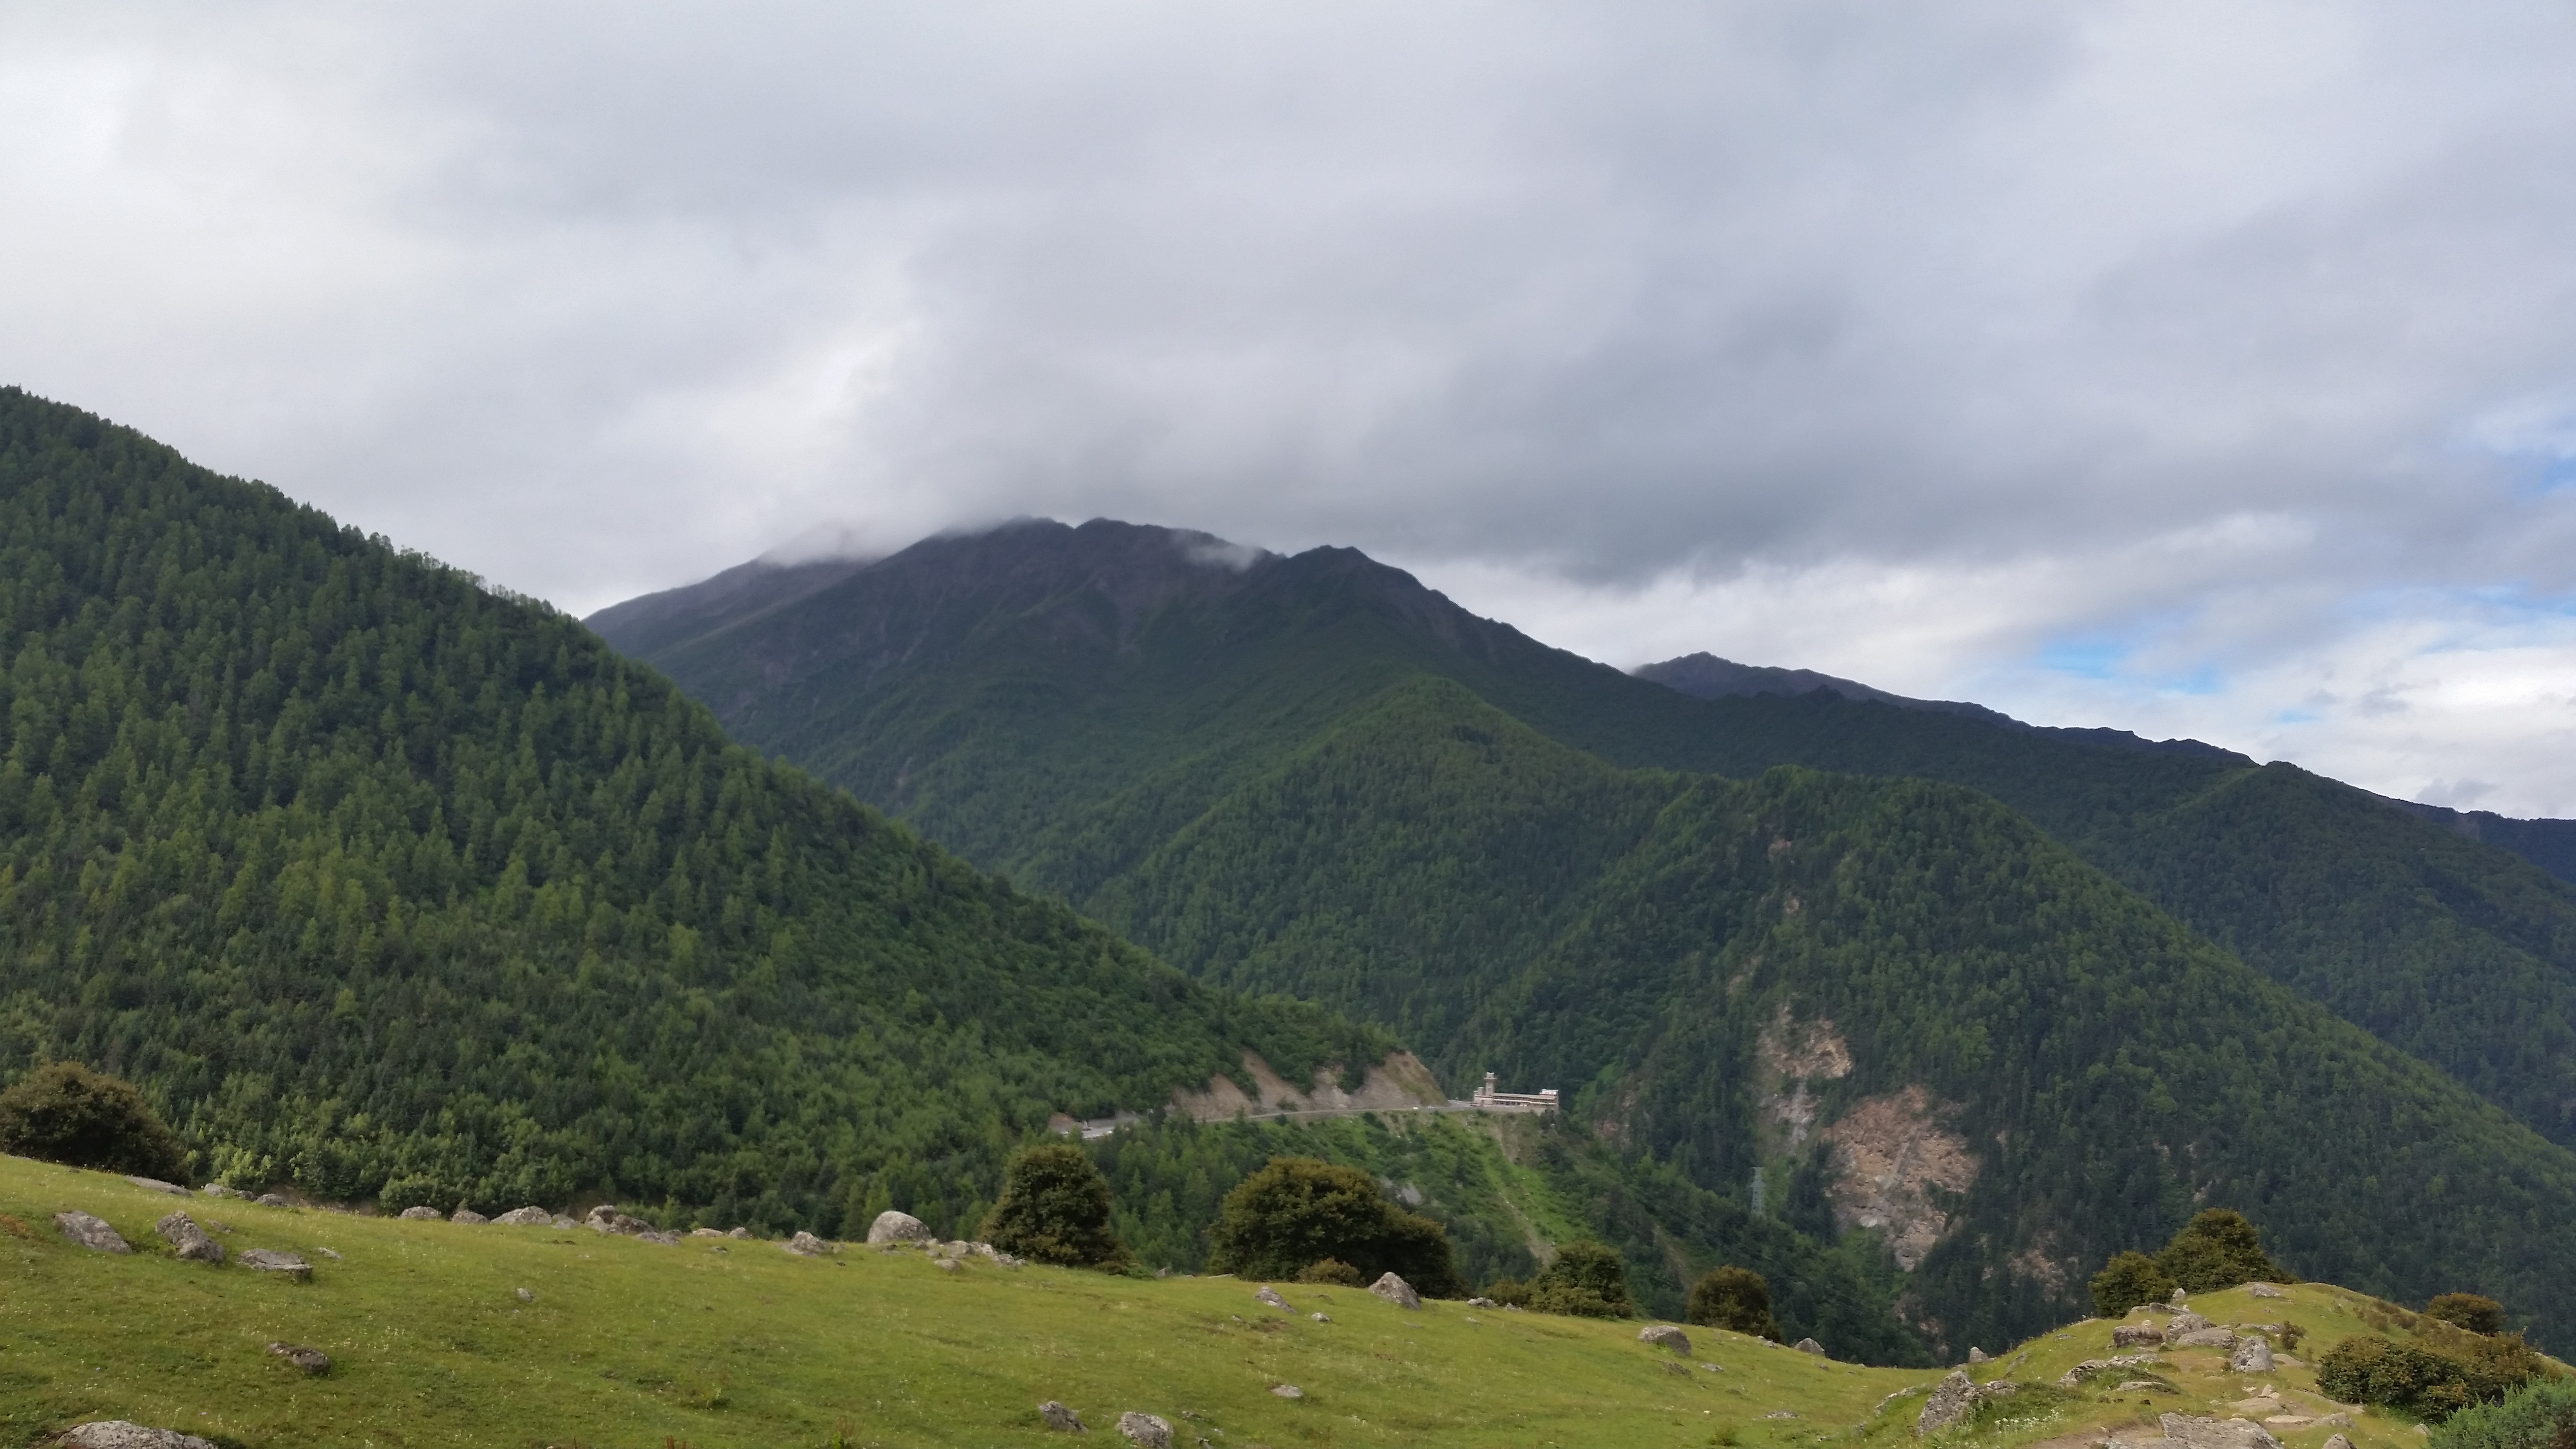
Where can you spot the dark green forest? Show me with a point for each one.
(389, 884)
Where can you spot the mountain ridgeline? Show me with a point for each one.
(390, 885)
(1995, 999)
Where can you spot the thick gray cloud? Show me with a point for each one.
(2202, 367)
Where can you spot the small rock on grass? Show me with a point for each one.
(1270, 1296)
(285, 1265)
(1809, 1345)
(467, 1216)
(154, 1184)
(421, 1214)
(91, 1233)
(524, 1295)
(1057, 1416)
(1286, 1391)
(1147, 1431)
(181, 1232)
(1396, 1291)
(742, 1233)
(525, 1217)
(1664, 1335)
(2337, 1441)
(2263, 1290)
(311, 1360)
(270, 1199)
(806, 1245)
(118, 1434)
(1320, 1317)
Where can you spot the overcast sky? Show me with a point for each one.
(2202, 369)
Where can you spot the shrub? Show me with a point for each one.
(1055, 1209)
(2472, 1311)
(1332, 1270)
(1587, 1280)
(1510, 1292)
(2539, 1415)
(1734, 1298)
(1300, 1210)
(64, 1112)
(2128, 1280)
(2218, 1249)
(2448, 1371)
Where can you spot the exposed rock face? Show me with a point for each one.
(1892, 1159)
(526, 1217)
(1809, 1345)
(1396, 1291)
(91, 1233)
(154, 1184)
(1664, 1335)
(1270, 1296)
(895, 1227)
(2252, 1355)
(285, 1265)
(1057, 1416)
(2197, 1433)
(467, 1216)
(118, 1434)
(1399, 1083)
(1951, 1400)
(805, 1244)
(1147, 1431)
(2130, 1335)
(181, 1232)
(421, 1214)
(311, 1360)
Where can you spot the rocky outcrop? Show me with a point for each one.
(284, 1265)
(1664, 1335)
(1147, 1431)
(1895, 1164)
(91, 1233)
(118, 1434)
(895, 1227)
(526, 1217)
(1057, 1416)
(188, 1240)
(1951, 1400)
(1809, 1345)
(312, 1360)
(1396, 1291)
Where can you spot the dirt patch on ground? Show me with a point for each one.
(1891, 1157)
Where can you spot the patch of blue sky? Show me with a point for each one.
(2109, 659)
(2093, 658)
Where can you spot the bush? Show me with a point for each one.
(2472, 1311)
(2538, 1415)
(64, 1112)
(1509, 1292)
(1055, 1209)
(1734, 1298)
(1587, 1280)
(2128, 1280)
(1299, 1210)
(2218, 1249)
(1332, 1270)
(2448, 1371)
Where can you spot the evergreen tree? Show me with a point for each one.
(1587, 1280)
(2217, 1249)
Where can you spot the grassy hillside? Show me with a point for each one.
(389, 885)
(708, 1344)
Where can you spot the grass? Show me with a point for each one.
(739, 1343)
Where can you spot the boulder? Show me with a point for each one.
(653, 1235)
(895, 1227)
(806, 1245)
(2183, 1322)
(285, 1265)
(2337, 1441)
(183, 1235)
(2264, 1290)
(1951, 1400)
(154, 1184)
(118, 1434)
(1147, 1431)
(1396, 1291)
(2222, 1339)
(467, 1216)
(91, 1233)
(2252, 1355)
(1976, 1354)
(742, 1233)
(2199, 1433)
(561, 1222)
(1809, 1345)
(1057, 1416)
(2178, 1298)
(270, 1199)
(1664, 1335)
(1286, 1391)
(605, 1218)
(311, 1360)
(2130, 1335)
(1270, 1296)
(422, 1214)
(526, 1217)
(946, 1265)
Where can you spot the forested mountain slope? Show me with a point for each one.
(1062, 702)
(388, 884)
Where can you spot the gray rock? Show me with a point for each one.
(605, 1218)
(420, 1214)
(1320, 1317)
(2218, 1338)
(154, 1184)
(2130, 1335)
(118, 1434)
(270, 1199)
(1057, 1416)
(2337, 1441)
(91, 1233)
(947, 1265)
(806, 1245)
(2178, 1298)
(653, 1235)
(2264, 1290)
(311, 1360)
(895, 1227)
(2198, 1433)
(706, 1232)
(526, 1217)
(742, 1233)
(218, 1189)
(2183, 1322)
(1146, 1430)
(467, 1216)
(1809, 1345)
(1950, 1402)
(285, 1265)
(2252, 1355)
(1270, 1296)
(1396, 1291)
(325, 1252)
(1482, 1303)
(561, 1222)
(1286, 1391)
(1664, 1335)
(2093, 1368)
(181, 1232)
(525, 1296)
(1976, 1354)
